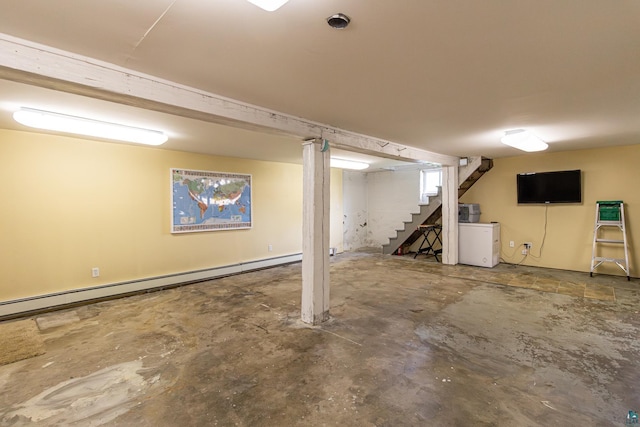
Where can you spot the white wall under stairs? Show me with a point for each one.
(376, 203)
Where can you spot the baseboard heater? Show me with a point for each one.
(24, 306)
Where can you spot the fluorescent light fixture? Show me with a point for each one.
(348, 164)
(48, 120)
(523, 140)
(269, 5)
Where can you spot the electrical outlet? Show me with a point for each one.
(512, 244)
(524, 251)
(95, 272)
(528, 245)
(270, 247)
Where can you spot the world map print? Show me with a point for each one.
(210, 201)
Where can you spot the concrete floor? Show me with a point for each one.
(410, 343)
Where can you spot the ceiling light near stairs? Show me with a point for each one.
(348, 164)
(269, 5)
(523, 140)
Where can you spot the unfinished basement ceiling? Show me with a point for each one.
(444, 76)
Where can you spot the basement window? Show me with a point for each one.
(430, 182)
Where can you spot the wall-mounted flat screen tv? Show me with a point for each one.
(550, 187)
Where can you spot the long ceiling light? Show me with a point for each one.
(523, 140)
(269, 5)
(348, 164)
(48, 120)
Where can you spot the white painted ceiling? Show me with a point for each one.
(447, 76)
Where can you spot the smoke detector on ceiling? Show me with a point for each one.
(338, 21)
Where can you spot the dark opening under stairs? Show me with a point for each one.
(431, 213)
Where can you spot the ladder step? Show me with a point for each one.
(599, 258)
(609, 241)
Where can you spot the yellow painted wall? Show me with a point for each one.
(70, 204)
(607, 174)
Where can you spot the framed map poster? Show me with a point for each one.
(209, 201)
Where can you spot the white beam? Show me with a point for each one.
(31, 63)
(315, 233)
(450, 215)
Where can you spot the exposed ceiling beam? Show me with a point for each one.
(30, 63)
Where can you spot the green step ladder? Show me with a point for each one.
(609, 214)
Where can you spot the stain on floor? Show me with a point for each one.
(409, 343)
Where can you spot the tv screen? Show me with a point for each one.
(550, 187)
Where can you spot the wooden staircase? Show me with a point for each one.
(431, 213)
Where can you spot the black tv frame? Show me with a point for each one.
(550, 187)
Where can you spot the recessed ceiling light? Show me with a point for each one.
(523, 140)
(348, 164)
(338, 21)
(49, 120)
(269, 5)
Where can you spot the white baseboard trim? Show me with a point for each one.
(12, 308)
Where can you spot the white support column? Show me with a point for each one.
(315, 233)
(450, 215)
